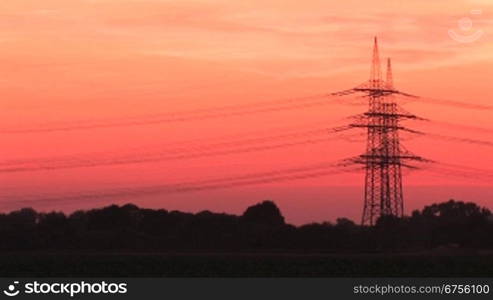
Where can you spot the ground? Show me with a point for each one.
(246, 265)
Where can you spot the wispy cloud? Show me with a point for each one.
(335, 34)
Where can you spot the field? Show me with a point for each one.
(246, 265)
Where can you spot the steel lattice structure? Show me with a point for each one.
(384, 157)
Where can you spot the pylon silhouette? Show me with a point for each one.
(384, 157)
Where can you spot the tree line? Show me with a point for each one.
(261, 227)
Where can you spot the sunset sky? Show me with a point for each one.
(70, 64)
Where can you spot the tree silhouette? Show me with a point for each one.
(266, 213)
(261, 227)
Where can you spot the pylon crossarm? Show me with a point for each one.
(342, 93)
(390, 157)
(390, 115)
(376, 91)
(390, 127)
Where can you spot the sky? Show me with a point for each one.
(156, 73)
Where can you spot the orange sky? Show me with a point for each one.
(73, 61)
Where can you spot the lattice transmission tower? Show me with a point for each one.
(384, 157)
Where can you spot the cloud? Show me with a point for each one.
(337, 34)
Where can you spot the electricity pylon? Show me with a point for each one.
(384, 157)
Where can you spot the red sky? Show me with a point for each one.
(75, 62)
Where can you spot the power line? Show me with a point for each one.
(460, 139)
(470, 176)
(290, 174)
(193, 115)
(461, 126)
(446, 102)
(179, 154)
(185, 145)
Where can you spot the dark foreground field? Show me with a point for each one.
(246, 265)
